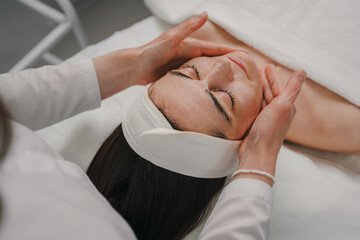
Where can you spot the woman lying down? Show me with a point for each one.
(160, 168)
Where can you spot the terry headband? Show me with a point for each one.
(151, 136)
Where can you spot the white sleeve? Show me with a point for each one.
(40, 97)
(243, 211)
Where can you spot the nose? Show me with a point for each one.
(221, 74)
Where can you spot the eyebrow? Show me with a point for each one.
(219, 106)
(212, 96)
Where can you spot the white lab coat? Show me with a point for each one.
(46, 197)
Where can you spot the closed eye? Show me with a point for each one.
(195, 70)
(181, 74)
(228, 92)
(178, 73)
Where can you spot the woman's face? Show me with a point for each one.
(219, 96)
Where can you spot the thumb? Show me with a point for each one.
(292, 88)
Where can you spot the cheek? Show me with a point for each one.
(255, 97)
(251, 100)
(254, 108)
(248, 94)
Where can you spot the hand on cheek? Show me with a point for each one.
(260, 148)
(272, 85)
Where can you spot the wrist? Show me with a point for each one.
(254, 176)
(258, 159)
(115, 71)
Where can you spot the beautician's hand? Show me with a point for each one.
(173, 48)
(260, 148)
(145, 64)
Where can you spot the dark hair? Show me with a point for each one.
(157, 203)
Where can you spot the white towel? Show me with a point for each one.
(316, 193)
(320, 36)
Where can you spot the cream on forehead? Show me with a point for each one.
(184, 104)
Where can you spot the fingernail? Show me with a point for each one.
(273, 70)
(203, 14)
(301, 75)
(269, 69)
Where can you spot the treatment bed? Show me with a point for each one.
(317, 193)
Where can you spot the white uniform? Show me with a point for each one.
(46, 197)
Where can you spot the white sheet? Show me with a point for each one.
(316, 195)
(320, 36)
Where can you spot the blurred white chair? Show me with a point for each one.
(67, 21)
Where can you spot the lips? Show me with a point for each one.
(239, 63)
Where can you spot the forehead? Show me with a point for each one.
(186, 102)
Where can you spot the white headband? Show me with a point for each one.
(151, 136)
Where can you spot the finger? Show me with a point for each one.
(293, 112)
(243, 145)
(186, 28)
(273, 79)
(266, 87)
(263, 104)
(197, 48)
(293, 87)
